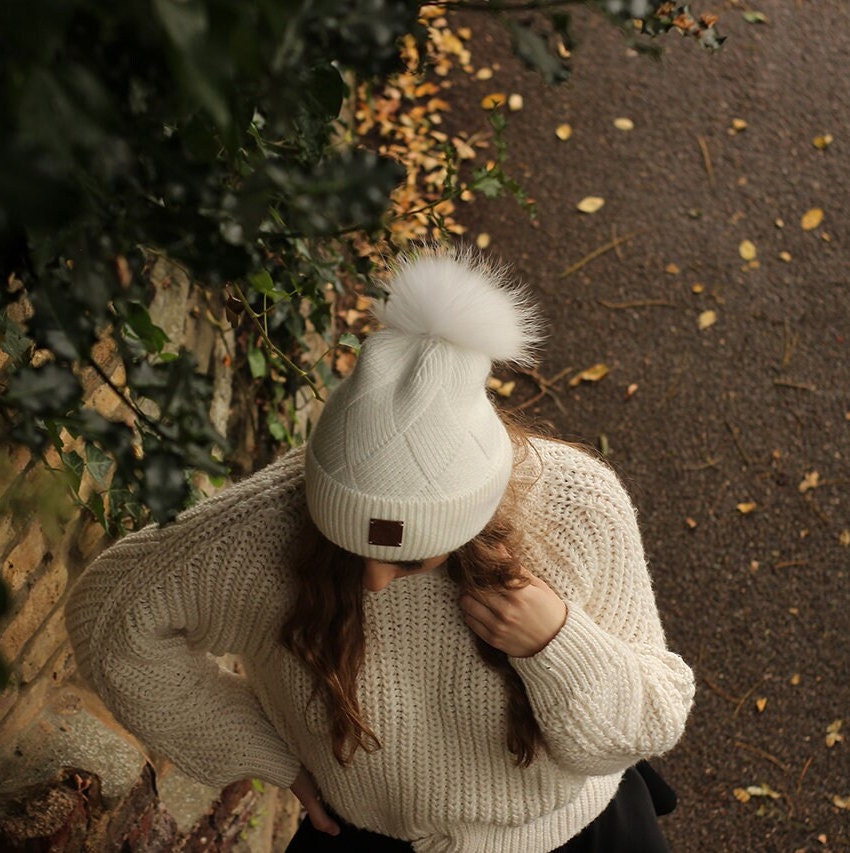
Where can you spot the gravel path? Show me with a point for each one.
(734, 438)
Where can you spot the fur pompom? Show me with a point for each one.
(457, 296)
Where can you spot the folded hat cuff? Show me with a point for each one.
(396, 529)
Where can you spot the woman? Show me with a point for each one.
(449, 635)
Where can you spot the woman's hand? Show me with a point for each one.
(520, 621)
(304, 787)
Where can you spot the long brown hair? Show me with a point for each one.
(325, 627)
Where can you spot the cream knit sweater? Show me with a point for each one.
(149, 613)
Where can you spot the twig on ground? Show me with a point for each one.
(806, 767)
(706, 158)
(791, 341)
(744, 698)
(606, 247)
(723, 694)
(738, 446)
(709, 463)
(800, 386)
(545, 389)
(763, 754)
(789, 564)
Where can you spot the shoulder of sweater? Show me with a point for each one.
(560, 478)
(560, 464)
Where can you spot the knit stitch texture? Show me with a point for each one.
(147, 616)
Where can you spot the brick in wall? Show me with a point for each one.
(42, 598)
(24, 558)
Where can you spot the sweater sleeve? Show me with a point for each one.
(148, 615)
(606, 691)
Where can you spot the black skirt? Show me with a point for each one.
(628, 825)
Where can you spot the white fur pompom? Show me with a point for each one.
(459, 297)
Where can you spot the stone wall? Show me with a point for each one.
(67, 770)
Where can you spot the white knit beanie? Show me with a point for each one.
(409, 459)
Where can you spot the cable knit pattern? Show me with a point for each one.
(147, 614)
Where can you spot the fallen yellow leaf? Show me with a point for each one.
(844, 538)
(738, 124)
(833, 733)
(747, 507)
(785, 256)
(691, 522)
(811, 219)
(672, 269)
(482, 240)
(590, 204)
(563, 132)
(741, 794)
(624, 124)
(592, 374)
(631, 390)
(810, 481)
(698, 288)
(795, 679)
(483, 73)
(515, 102)
(763, 790)
(706, 319)
(747, 250)
(822, 141)
(493, 100)
(761, 704)
(841, 802)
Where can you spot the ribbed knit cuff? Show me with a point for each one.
(575, 659)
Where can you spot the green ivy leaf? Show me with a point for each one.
(74, 466)
(13, 341)
(138, 319)
(257, 362)
(350, 341)
(98, 463)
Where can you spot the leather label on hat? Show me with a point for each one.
(384, 532)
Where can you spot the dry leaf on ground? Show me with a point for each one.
(822, 141)
(503, 389)
(811, 219)
(590, 204)
(563, 132)
(592, 374)
(746, 507)
(493, 100)
(706, 319)
(747, 250)
(624, 124)
(810, 481)
(744, 795)
(833, 733)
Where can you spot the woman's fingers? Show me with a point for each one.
(519, 621)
